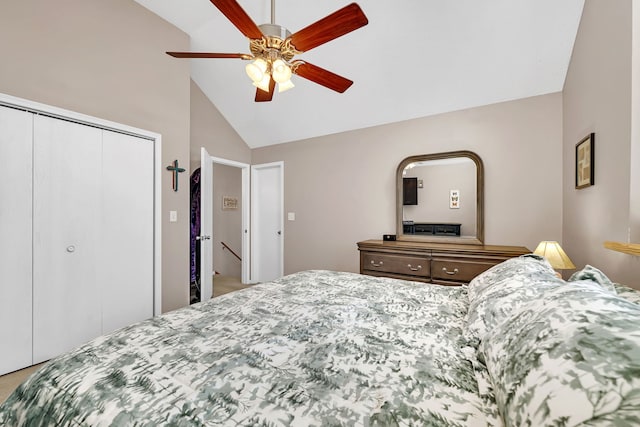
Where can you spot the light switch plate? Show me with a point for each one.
(173, 216)
(291, 216)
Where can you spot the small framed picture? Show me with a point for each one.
(585, 162)
(454, 199)
(229, 203)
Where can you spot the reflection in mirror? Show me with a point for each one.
(453, 203)
(440, 198)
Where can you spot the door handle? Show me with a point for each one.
(203, 237)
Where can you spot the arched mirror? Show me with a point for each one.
(440, 198)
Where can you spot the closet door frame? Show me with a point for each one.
(155, 138)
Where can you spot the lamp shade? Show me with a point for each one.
(256, 70)
(555, 255)
(285, 86)
(264, 83)
(281, 71)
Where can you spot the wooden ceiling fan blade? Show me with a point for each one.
(321, 76)
(263, 96)
(330, 27)
(209, 55)
(238, 17)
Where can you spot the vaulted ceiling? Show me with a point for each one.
(415, 58)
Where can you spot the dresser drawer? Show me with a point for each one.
(405, 265)
(456, 270)
(441, 263)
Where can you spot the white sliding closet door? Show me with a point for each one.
(126, 274)
(15, 239)
(79, 230)
(67, 217)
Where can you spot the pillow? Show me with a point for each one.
(595, 275)
(496, 293)
(570, 357)
(627, 293)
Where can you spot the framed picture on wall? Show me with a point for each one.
(585, 162)
(454, 199)
(229, 203)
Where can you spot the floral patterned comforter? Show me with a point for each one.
(313, 348)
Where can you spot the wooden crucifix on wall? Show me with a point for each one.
(176, 170)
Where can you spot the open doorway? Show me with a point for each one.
(262, 260)
(214, 203)
(227, 228)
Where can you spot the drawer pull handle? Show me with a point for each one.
(414, 268)
(455, 271)
(376, 265)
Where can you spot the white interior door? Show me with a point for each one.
(67, 214)
(267, 221)
(15, 241)
(206, 225)
(126, 279)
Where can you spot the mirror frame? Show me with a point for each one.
(479, 237)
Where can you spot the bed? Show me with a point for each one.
(517, 346)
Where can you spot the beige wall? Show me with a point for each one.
(342, 186)
(597, 98)
(106, 59)
(209, 129)
(227, 223)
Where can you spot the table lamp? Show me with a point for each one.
(555, 255)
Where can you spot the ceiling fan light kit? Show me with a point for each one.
(285, 86)
(263, 83)
(273, 48)
(281, 71)
(256, 70)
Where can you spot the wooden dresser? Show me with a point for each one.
(441, 263)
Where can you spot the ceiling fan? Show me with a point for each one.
(273, 48)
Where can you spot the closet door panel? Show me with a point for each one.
(128, 225)
(15, 239)
(67, 215)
